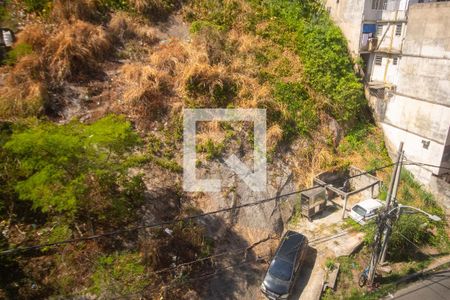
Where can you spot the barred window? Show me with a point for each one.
(378, 60)
(398, 29)
(379, 29)
(379, 4)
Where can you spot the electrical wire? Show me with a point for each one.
(202, 277)
(409, 241)
(234, 252)
(186, 219)
(155, 225)
(425, 165)
(220, 270)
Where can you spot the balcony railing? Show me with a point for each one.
(369, 45)
(384, 15)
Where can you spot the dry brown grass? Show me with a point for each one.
(247, 43)
(251, 92)
(207, 86)
(23, 92)
(146, 90)
(124, 27)
(155, 8)
(69, 10)
(274, 135)
(210, 131)
(33, 34)
(76, 50)
(28, 67)
(22, 101)
(141, 6)
(168, 57)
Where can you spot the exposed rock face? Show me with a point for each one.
(336, 130)
(236, 228)
(253, 223)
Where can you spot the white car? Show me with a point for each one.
(365, 210)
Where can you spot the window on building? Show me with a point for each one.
(379, 29)
(395, 61)
(398, 29)
(378, 60)
(379, 4)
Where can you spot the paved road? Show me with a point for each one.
(434, 287)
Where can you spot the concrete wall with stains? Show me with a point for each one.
(419, 111)
(347, 14)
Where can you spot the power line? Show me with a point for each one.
(220, 270)
(216, 272)
(426, 165)
(155, 225)
(411, 242)
(238, 250)
(189, 218)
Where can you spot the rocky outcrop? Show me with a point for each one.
(253, 223)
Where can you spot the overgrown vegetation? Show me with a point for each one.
(412, 234)
(20, 50)
(74, 168)
(307, 29)
(123, 268)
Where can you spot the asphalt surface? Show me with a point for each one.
(436, 286)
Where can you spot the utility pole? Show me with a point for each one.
(392, 219)
(382, 222)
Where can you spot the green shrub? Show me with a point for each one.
(162, 154)
(3, 12)
(297, 215)
(119, 274)
(223, 13)
(216, 89)
(17, 52)
(407, 230)
(38, 6)
(303, 117)
(65, 168)
(115, 4)
(197, 26)
(355, 139)
(330, 263)
(59, 233)
(306, 27)
(211, 149)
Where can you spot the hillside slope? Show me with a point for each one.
(91, 101)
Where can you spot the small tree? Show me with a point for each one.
(75, 168)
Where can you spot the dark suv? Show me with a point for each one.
(286, 263)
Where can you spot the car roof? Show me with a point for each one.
(291, 241)
(370, 203)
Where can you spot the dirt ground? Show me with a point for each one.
(327, 240)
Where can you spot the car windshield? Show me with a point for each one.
(281, 269)
(359, 210)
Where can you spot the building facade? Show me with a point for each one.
(405, 49)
